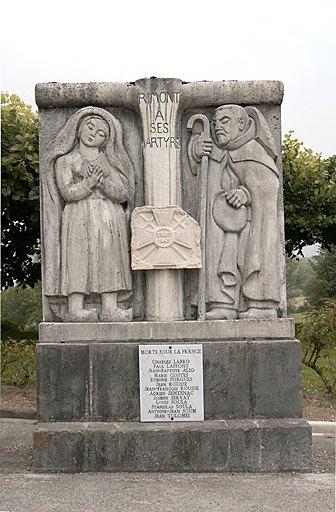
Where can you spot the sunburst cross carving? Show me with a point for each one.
(164, 237)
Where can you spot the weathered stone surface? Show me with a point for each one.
(145, 144)
(196, 94)
(281, 439)
(87, 186)
(62, 447)
(280, 328)
(63, 382)
(242, 379)
(208, 150)
(213, 446)
(115, 382)
(235, 160)
(159, 106)
(164, 237)
(51, 123)
(227, 380)
(275, 379)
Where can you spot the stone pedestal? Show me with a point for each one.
(194, 171)
(213, 446)
(88, 399)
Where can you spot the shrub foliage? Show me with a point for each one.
(20, 193)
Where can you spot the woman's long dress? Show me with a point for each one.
(94, 241)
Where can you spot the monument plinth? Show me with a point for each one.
(170, 351)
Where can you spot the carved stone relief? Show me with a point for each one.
(164, 237)
(218, 164)
(89, 186)
(242, 275)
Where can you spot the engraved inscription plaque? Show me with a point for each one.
(171, 382)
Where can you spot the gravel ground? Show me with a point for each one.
(172, 492)
(22, 490)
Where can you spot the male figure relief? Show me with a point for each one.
(242, 232)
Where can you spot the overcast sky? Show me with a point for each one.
(71, 41)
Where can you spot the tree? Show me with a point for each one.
(309, 197)
(317, 331)
(21, 312)
(299, 271)
(20, 193)
(292, 282)
(321, 283)
(318, 337)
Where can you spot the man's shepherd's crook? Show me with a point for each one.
(198, 124)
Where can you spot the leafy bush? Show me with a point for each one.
(21, 312)
(18, 364)
(317, 333)
(20, 193)
(321, 282)
(299, 272)
(302, 308)
(309, 196)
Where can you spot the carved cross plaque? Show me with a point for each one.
(164, 237)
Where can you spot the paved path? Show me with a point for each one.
(22, 490)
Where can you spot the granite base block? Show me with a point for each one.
(210, 446)
(100, 381)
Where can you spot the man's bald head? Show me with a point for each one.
(230, 122)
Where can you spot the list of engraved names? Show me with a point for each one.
(171, 382)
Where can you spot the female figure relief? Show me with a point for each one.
(94, 179)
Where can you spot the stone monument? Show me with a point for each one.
(165, 344)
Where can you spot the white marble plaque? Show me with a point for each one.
(171, 382)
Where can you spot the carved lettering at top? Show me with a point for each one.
(160, 119)
(160, 97)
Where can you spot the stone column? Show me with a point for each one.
(159, 109)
